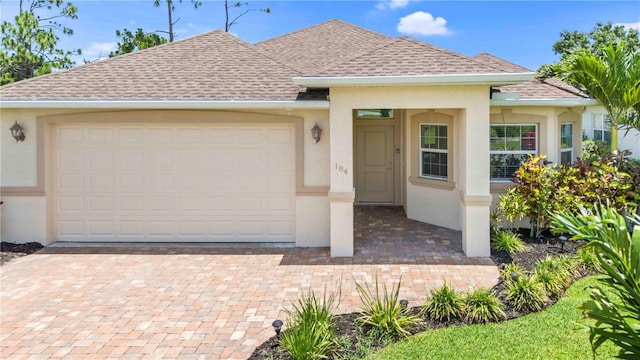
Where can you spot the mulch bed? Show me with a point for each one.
(346, 323)
(9, 251)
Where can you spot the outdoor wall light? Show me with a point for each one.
(16, 132)
(404, 304)
(315, 133)
(277, 326)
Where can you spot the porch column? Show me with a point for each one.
(341, 192)
(475, 194)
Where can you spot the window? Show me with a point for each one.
(601, 128)
(566, 143)
(510, 146)
(434, 151)
(374, 113)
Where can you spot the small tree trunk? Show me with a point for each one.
(614, 138)
(170, 21)
(226, 16)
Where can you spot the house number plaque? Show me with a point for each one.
(342, 169)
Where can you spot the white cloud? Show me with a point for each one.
(628, 26)
(97, 49)
(423, 23)
(391, 4)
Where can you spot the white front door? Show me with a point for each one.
(175, 182)
(375, 164)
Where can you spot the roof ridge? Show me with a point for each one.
(577, 91)
(306, 29)
(451, 52)
(119, 57)
(501, 59)
(391, 42)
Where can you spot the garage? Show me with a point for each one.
(172, 182)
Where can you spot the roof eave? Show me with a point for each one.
(164, 104)
(492, 79)
(565, 102)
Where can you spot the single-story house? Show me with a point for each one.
(208, 140)
(595, 126)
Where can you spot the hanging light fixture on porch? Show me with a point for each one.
(315, 133)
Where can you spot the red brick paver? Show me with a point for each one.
(206, 302)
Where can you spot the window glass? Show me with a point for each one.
(374, 113)
(566, 143)
(601, 128)
(510, 145)
(434, 151)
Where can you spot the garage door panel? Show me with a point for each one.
(175, 183)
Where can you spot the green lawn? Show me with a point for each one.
(550, 334)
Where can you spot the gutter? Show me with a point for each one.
(398, 80)
(544, 102)
(162, 104)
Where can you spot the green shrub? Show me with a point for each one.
(555, 273)
(312, 309)
(595, 149)
(383, 313)
(617, 253)
(480, 306)
(508, 241)
(511, 268)
(443, 304)
(587, 257)
(311, 333)
(525, 293)
(307, 341)
(542, 190)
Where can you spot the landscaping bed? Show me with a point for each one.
(354, 343)
(9, 251)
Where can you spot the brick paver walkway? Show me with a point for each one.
(206, 302)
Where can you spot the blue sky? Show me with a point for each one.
(519, 31)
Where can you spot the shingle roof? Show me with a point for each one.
(550, 88)
(321, 46)
(211, 66)
(406, 56)
(219, 66)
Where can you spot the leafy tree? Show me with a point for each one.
(136, 41)
(574, 42)
(170, 9)
(229, 23)
(29, 43)
(612, 76)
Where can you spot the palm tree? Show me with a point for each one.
(612, 76)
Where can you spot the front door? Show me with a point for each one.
(374, 164)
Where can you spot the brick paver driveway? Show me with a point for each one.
(193, 301)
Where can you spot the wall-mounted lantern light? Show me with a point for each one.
(16, 132)
(315, 133)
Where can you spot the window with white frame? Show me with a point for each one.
(601, 128)
(566, 143)
(510, 146)
(434, 151)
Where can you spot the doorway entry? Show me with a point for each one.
(375, 164)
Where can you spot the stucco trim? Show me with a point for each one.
(573, 118)
(432, 117)
(342, 196)
(38, 189)
(544, 102)
(400, 80)
(476, 200)
(163, 104)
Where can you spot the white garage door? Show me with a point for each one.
(187, 183)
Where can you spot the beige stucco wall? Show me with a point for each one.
(27, 216)
(428, 204)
